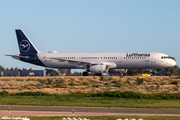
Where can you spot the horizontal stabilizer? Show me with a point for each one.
(18, 56)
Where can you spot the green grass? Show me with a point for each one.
(111, 94)
(4, 80)
(20, 80)
(31, 80)
(88, 102)
(177, 77)
(105, 99)
(111, 117)
(174, 82)
(86, 82)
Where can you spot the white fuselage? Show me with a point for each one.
(119, 60)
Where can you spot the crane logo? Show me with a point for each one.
(24, 45)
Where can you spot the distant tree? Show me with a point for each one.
(143, 71)
(68, 72)
(178, 72)
(172, 70)
(7, 68)
(15, 68)
(30, 68)
(76, 74)
(133, 72)
(62, 71)
(52, 72)
(175, 70)
(24, 68)
(19, 69)
(11, 68)
(1, 68)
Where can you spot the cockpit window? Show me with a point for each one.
(168, 57)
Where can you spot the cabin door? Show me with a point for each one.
(153, 58)
(119, 59)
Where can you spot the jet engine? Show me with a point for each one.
(99, 68)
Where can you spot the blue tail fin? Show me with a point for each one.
(25, 45)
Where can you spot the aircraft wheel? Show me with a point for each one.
(98, 74)
(85, 73)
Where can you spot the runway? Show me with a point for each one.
(17, 110)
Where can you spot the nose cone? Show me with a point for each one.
(173, 63)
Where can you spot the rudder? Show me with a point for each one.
(25, 45)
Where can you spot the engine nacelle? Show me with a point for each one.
(98, 68)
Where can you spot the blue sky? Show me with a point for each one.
(90, 26)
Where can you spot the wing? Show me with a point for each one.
(81, 62)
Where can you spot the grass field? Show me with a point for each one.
(65, 86)
(113, 117)
(88, 102)
(74, 84)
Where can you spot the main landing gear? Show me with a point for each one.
(85, 73)
(98, 74)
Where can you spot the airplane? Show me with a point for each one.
(97, 63)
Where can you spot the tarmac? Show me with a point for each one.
(19, 110)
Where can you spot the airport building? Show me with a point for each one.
(22, 72)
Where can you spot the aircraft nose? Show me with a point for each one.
(173, 63)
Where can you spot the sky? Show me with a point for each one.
(90, 26)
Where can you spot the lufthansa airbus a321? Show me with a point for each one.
(97, 63)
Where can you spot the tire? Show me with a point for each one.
(85, 73)
(98, 74)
